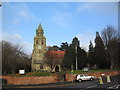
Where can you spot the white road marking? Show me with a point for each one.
(112, 86)
(115, 86)
(92, 86)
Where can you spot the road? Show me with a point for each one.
(114, 84)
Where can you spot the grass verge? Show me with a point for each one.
(33, 74)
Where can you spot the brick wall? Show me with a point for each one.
(29, 80)
(70, 77)
(49, 79)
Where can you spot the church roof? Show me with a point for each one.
(55, 54)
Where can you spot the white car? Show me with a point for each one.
(82, 77)
(85, 69)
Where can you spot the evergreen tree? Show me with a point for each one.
(72, 51)
(91, 55)
(81, 58)
(69, 58)
(64, 46)
(75, 42)
(100, 52)
(80, 54)
(53, 48)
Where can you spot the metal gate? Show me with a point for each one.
(61, 77)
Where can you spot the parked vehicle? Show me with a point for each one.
(82, 77)
(85, 69)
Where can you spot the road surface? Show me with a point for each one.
(114, 84)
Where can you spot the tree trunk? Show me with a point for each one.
(112, 64)
(13, 71)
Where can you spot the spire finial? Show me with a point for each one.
(40, 24)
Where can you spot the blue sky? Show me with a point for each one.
(61, 21)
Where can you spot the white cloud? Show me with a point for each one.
(83, 7)
(65, 5)
(99, 7)
(62, 18)
(85, 38)
(17, 39)
(11, 37)
(26, 14)
(16, 20)
(28, 47)
(19, 12)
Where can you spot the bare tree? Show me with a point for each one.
(6, 56)
(108, 34)
(13, 58)
(110, 39)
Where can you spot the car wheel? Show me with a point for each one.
(91, 79)
(80, 80)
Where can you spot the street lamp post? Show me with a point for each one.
(76, 59)
(72, 72)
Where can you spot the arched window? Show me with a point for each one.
(36, 41)
(41, 66)
(56, 69)
(42, 42)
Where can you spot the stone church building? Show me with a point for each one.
(40, 54)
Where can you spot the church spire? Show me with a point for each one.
(39, 31)
(40, 27)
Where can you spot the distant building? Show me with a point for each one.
(41, 58)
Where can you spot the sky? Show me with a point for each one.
(61, 21)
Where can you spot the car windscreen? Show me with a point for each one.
(86, 75)
(81, 75)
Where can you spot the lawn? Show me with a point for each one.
(90, 71)
(63, 72)
(33, 74)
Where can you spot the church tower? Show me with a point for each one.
(39, 50)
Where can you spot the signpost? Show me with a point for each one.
(72, 72)
(76, 59)
(22, 72)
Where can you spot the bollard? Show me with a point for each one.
(100, 80)
(108, 79)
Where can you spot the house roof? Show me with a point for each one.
(55, 54)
